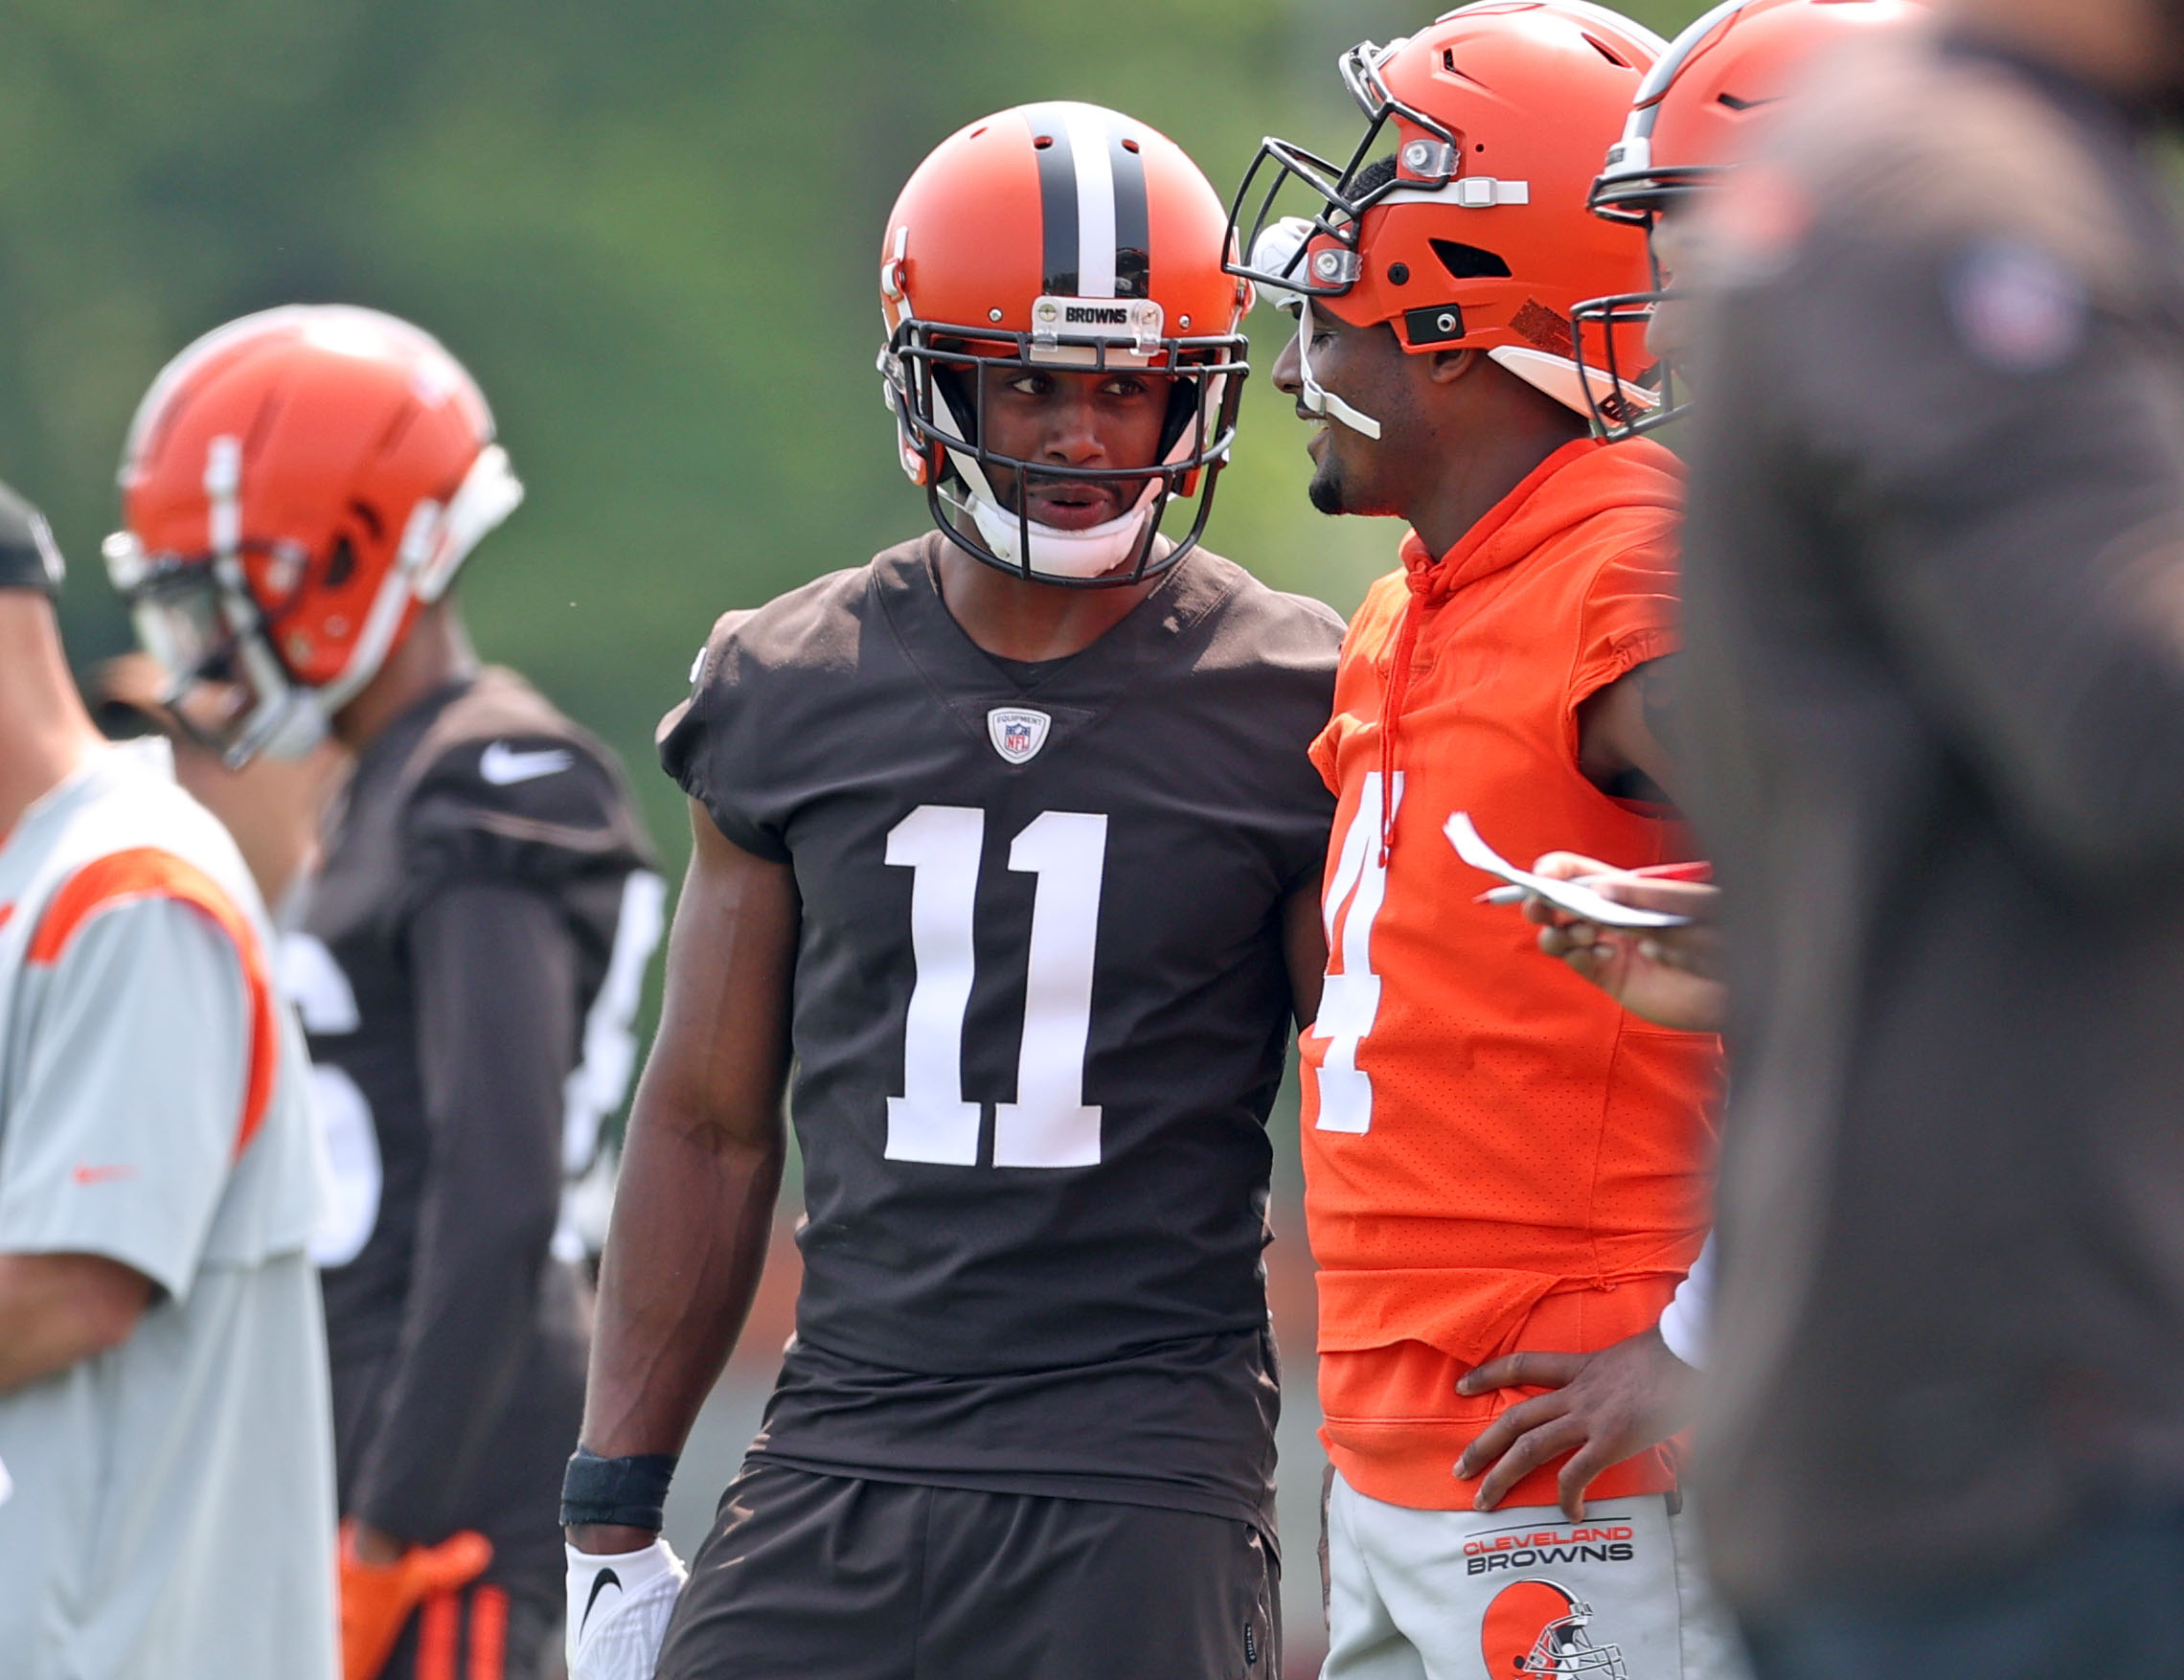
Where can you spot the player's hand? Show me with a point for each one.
(1604, 1407)
(1670, 976)
(377, 1598)
(619, 1605)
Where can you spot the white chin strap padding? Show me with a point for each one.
(1317, 398)
(1090, 552)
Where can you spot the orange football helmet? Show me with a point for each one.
(1459, 218)
(297, 487)
(1065, 236)
(1537, 1630)
(1695, 117)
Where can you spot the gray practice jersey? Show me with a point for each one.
(173, 1503)
(1040, 1013)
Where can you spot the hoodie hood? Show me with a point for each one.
(1591, 478)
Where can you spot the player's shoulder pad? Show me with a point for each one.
(1244, 604)
(814, 626)
(504, 786)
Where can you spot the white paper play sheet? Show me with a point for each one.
(1579, 901)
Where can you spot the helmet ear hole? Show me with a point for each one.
(1468, 261)
(341, 564)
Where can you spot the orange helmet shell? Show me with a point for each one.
(1459, 220)
(1698, 109)
(346, 420)
(1056, 199)
(1529, 90)
(297, 487)
(1076, 237)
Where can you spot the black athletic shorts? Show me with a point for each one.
(828, 1577)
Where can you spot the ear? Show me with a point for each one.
(1444, 367)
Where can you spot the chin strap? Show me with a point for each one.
(1316, 398)
(1278, 251)
(1056, 553)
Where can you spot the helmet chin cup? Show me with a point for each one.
(1073, 556)
(293, 728)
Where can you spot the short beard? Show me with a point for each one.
(1325, 491)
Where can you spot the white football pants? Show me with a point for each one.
(1522, 1592)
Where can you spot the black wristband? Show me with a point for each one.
(630, 1493)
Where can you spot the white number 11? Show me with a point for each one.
(1050, 1124)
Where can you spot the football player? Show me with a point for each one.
(299, 488)
(1695, 116)
(1496, 1158)
(1008, 842)
(166, 1502)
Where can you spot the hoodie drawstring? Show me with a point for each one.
(1392, 699)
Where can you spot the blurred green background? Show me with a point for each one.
(650, 227)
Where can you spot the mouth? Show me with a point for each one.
(1316, 446)
(1075, 507)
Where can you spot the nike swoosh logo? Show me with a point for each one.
(607, 1577)
(103, 1175)
(502, 765)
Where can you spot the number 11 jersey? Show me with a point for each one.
(1040, 1013)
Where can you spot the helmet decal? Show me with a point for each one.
(1540, 1630)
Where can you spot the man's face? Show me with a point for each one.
(1064, 418)
(1674, 242)
(1365, 366)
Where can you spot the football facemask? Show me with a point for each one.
(936, 383)
(225, 685)
(1613, 404)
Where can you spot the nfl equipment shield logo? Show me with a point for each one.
(1017, 731)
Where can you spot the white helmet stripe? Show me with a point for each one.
(1094, 201)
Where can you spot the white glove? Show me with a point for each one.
(619, 1605)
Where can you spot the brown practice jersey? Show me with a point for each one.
(470, 954)
(1040, 1015)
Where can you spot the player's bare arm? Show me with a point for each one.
(57, 1309)
(702, 1164)
(1619, 738)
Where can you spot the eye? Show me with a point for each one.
(1126, 385)
(1030, 383)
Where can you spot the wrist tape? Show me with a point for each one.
(630, 1492)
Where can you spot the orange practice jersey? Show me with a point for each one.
(1496, 1155)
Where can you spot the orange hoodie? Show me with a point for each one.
(1496, 1155)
